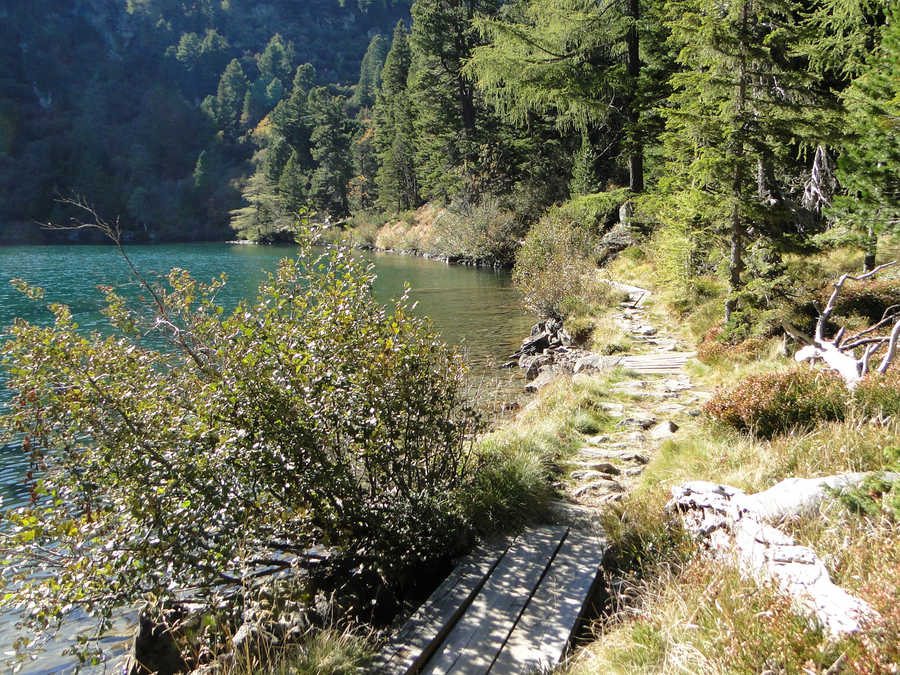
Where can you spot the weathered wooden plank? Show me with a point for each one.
(478, 636)
(540, 638)
(423, 632)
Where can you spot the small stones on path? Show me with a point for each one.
(599, 467)
(603, 485)
(663, 430)
(615, 455)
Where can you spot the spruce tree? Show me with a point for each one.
(740, 106)
(869, 163)
(226, 107)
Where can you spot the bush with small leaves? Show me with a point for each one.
(310, 421)
(775, 403)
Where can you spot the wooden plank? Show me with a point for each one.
(423, 632)
(540, 638)
(478, 636)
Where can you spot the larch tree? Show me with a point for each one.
(578, 60)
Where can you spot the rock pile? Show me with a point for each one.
(548, 351)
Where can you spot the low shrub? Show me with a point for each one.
(313, 416)
(553, 269)
(868, 298)
(878, 395)
(484, 232)
(774, 403)
(714, 348)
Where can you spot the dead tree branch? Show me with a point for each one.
(839, 353)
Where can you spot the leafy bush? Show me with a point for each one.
(310, 417)
(774, 403)
(483, 232)
(553, 269)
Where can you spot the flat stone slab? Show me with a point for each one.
(604, 485)
(620, 455)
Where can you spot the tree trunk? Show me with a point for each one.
(871, 248)
(736, 259)
(636, 146)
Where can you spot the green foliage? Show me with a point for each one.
(876, 497)
(595, 211)
(187, 448)
(737, 109)
(775, 403)
(330, 140)
(869, 163)
(554, 268)
(483, 232)
(394, 134)
(370, 73)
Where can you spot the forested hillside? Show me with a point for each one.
(109, 99)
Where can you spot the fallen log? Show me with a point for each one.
(738, 526)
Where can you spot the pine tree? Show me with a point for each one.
(451, 120)
(226, 107)
(740, 106)
(869, 163)
(276, 60)
(394, 133)
(331, 150)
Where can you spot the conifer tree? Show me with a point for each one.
(394, 133)
(578, 60)
(226, 107)
(450, 118)
(370, 73)
(739, 104)
(869, 163)
(330, 139)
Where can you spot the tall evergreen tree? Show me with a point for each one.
(370, 73)
(578, 60)
(330, 139)
(869, 163)
(226, 106)
(394, 133)
(449, 133)
(740, 107)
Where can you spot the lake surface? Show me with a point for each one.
(476, 308)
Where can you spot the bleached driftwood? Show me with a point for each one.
(840, 353)
(738, 526)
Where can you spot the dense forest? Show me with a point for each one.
(144, 107)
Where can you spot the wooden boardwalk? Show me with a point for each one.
(508, 608)
(663, 363)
